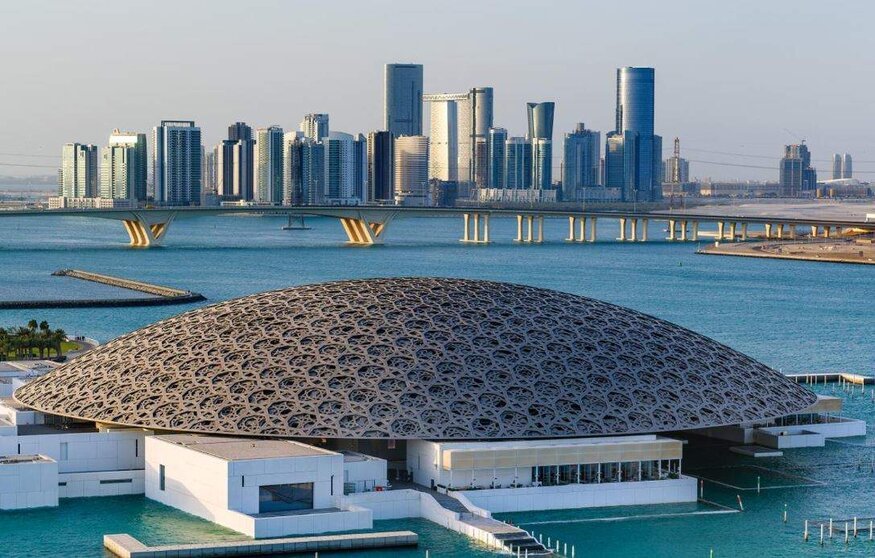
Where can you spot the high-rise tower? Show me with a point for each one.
(541, 138)
(635, 122)
(176, 146)
(402, 99)
(269, 165)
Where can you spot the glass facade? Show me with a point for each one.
(635, 120)
(497, 150)
(402, 102)
(285, 497)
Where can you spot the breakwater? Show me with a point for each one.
(161, 295)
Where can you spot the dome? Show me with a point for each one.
(420, 358)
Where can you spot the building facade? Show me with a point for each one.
(402, 99)
(540, 117)
(176, 162)
(459, 135)
(676, 169)
(340, 169)
(443, 138)
(78, 176)
(581, 160)
(315, 126)
(847, 166)
(642, 149)
(269, 165)
(380, 165)
(518, 163)
(235, 163)
(497, 150)
(796, 176)
(411, 170)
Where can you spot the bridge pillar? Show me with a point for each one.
(744, 231)
(792, 232)
(813, 231)
(531, 222)
(486, 228)
(732, 227)
(540, 228)
(683, 237)
(643, 230)
(671, 228)
(838, 231)
(519, 228)
(476, 227)
(695, 233)
(473, 236)
(634, 230)
(720, 232)
(582, 234)
(622, 229)
(826, 231)
(781, 231)
(466, 236)
(768, 231)
(592, 229)
(363, 232)
(571, 223)
(144, 233)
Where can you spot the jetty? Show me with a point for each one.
(126, 546)
(160, 295)
(831, 377)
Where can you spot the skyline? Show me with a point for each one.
(743, 111)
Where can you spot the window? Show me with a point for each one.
(285, 497)
(161, 477)
(64, 449)
(118, 481)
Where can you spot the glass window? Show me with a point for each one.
(285, 497)
(64, 451)
(161, 477)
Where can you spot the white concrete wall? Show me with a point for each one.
(788, 437)
(353, 518)
(423, 460)
(86, 452)
(388, 504)
(572, 496)
(245, 478)
(368, 472)
(102, 483)
(28, 485)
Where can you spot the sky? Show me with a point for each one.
(742, 77)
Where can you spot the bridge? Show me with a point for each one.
(365, 225)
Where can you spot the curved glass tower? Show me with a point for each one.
(642, 149)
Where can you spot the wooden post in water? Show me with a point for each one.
(870, 529)
(805, 535)
(855, 526)
(821, 534)
(846, 532)
(785, 513)
(830, 527)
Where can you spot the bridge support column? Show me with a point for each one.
(683, 231)
(582, 234)
(474, 236)
(813, 231)
(592, 229)
(792, 232)
(720, 227)
(540, 228)
(671, 227)
(838, 231)
(695, 233)
(781, 231)
(768, 231)
(519, 228)
(643, 230)
(531, 221)
(732, 226)
(363, 232)
(622, 229)
(634, 230)
(143, 233)
(571, 222)
(826, 231)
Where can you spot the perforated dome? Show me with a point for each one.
(415, 358)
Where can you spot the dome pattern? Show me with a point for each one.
(415, 358)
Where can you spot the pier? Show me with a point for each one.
(161, 295)
(126, 546)
(831, 377)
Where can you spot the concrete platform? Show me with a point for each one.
(756, 451)
(126, 546)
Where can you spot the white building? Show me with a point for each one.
(176, 146)
(315, 126)
(269, 165)
(78, 177)
(340, 168)
(411, 170)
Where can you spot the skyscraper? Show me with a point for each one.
(176, 162)
(581, 158)
(836, 166)
(460, 125)
(496, 149)
(847, 166)
(402, 99)
(78, 177)
(541, 138)
(411, 170)
(235, 163)
(315, 126)
(380, 164)
(635, 121)
(303, 170)
(443, 163)
(339, 167)
(360, 169)
(123, 167)
(269, 165)
(518, 164)
(209, 173)
(677, 169)
(796, 174)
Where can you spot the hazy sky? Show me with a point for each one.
(730, 76)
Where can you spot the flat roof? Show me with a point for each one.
(23, 459)
(239, 449)
(555, 443)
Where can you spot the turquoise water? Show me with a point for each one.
(791, 315)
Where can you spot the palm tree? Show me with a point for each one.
(32, 325)
(58, 337)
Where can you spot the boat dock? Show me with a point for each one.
(160, 295)
(830, 377)
(126, 546)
